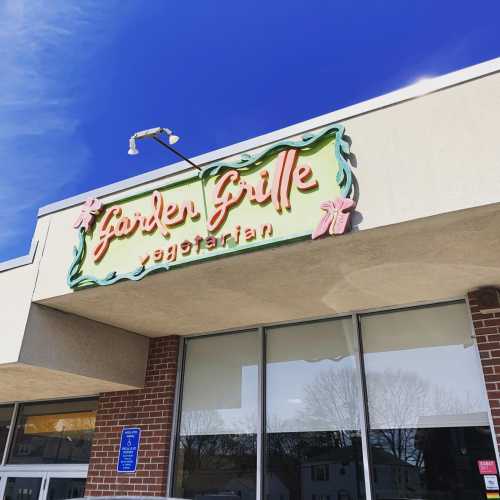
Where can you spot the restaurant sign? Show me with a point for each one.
(293, 189)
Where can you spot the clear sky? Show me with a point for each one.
(78, 77)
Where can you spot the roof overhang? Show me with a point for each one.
(429, 259)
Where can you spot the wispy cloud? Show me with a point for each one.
(41, 44)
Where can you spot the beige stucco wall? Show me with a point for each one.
(430, 155)
(20, 382)
(16, 291)
(76, 345)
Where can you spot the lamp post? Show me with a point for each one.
(154, 133)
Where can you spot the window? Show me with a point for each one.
(292, 408)
(428, 413)
(54, 433)
(312, 403)
(64, 488)
(5, 418)
(23, 488)
(217, 442)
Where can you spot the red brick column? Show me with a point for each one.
(487, 329)
(151, 409)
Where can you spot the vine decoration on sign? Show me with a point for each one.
(335, 221)
(342, 150)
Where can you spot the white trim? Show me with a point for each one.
(20, 261)
(80, 470)
(416, 90)
(30, 474)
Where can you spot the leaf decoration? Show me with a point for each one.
(138, 271)
(110, 275)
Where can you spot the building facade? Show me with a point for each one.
(311, 315)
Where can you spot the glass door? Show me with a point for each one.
(23, 485)
(61, 486)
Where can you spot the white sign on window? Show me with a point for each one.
(491, 482)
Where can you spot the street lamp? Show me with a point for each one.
(154, 134)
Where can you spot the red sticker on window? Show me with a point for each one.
(487, 466)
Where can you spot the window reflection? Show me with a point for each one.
(54, 433)
(65, 488)
(427, 409)
(22, 488)
(438, 463)
(217, 444)
(313, 439)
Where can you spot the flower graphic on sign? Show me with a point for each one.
(90, 209)
(336, 217)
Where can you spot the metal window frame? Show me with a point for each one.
(261, 425)
(13, 419)
(176, 416)
(261, 332)
(363, 406)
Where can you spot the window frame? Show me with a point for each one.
(360, 376)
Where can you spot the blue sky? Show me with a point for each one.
(78, 77)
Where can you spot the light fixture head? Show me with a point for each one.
(132, 149)
(172, 138)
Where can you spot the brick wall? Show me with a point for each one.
(487, 328)
(151, 409)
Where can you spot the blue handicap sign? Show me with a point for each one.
(129, 449)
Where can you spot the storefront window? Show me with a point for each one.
(313, 430)
(428, 413)
(5, 418)
(304, 411)
(217, 443)
(54, 433)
